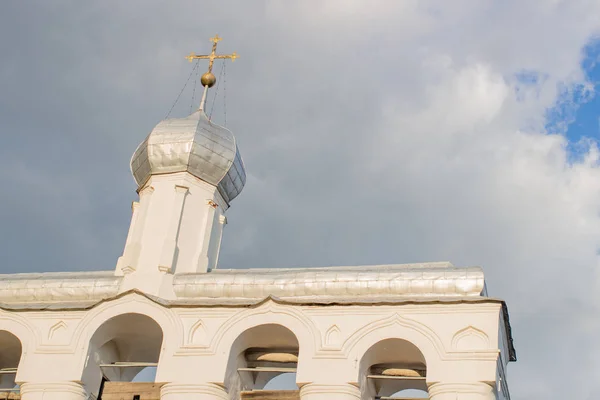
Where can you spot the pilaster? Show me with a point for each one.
(52, 391)
(202, 391)
(314, 391)
(461, 391)
(127, 263)
(204, 261)
(170, 244)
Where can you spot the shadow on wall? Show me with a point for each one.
(263, 358)
(392, 366)
(10, 356)
(125, 348)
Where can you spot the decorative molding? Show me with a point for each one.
(473, 355)
(181, 189)
(333, 337)
(56, 335)
(470, 338)
(273, 309)
(56, 329)
(164, 269)
(432, 338)
(479, 305)
(395, 319)
(433, 305)
(128, 269)
(146, 190)
(205, 312)
(197, 334)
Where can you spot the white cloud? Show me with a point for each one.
(373, 132)
(465, 164)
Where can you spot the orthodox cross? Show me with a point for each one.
(208, 79)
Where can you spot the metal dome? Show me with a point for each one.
(195, 145)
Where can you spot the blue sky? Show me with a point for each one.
(575, 115)
(582, 116)
(372, 133)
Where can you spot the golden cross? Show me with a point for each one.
(212, 56)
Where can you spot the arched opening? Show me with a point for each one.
(10, 355)
(125, 348)
(263, 363)
(392, 369)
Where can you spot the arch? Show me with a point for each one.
(130, 304)
(19, 330)
(303, 328)
(263, 345)
(20, 327)
(391, 365)
(124, 338)
(396, 326)
(11, 351)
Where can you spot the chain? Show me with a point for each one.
(216, 91)
(225, 92)
(194, 90)
(184, 86)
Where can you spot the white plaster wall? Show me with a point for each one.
(460, 342)
(175, 228)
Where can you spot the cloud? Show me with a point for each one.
(385, 132)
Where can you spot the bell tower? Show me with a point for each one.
(188, 170)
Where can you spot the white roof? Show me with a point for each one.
(404, 281)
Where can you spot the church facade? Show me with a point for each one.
(367, 332)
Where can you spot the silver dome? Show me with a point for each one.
(195, 145)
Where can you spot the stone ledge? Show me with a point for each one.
(271, 395)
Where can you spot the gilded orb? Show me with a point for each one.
(208, 79)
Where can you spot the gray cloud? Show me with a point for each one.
(385, 133)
